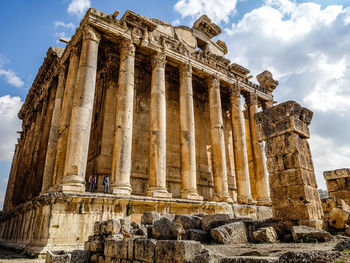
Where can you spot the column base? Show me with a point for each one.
(191, 195)
(222, 197)
(158, 192)
(265, 202)
(247, 200)
(72, 184)
(120, 190)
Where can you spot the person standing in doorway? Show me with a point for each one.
(106, 184)
(92, 181)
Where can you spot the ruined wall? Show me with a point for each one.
(338, 183)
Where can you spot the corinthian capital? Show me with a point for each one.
(213, 82)
(158, 60)
(127, 48)
(251, 99)
(235, 90)
(186, 70)
(91, 34)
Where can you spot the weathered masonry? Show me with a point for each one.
(156, 107)
(338, 183)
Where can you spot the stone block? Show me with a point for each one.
(233, 233)
(198, 235)
(97, 228)
(125, 225)
(87, 245)
(206, 256)
(121, 249)
(310, 234)
(338, 218)
(309, 256)
(189, 222)
(148, 218)
(113, 227)
(208, 219)
(162, 229)
(144, 250)
(96, 245)
(57, 257)
(265, 235)
(103, 229)
(80, 256)
(176, 251)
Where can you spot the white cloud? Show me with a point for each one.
(64, 25)
(10, 124)
(217, 10)
(78, 7)
(11, 77)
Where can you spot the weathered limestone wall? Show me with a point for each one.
(338, 183)
(292, 180)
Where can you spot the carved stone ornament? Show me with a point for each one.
(213, 82)
(251, 99)
(136, 35)
(186, 69)
(205, 25)
(127, 48)
(235, 91)
(158, 60)
(91, 34)
(75, 51)
(266, 81)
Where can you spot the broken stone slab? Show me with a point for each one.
(165, 229)
(197, 235)
(309, 256)
(265, 235)
(338, 218)
(120, 249)
(57, 257)
(79, 256)
(144, 250)
(206, 256)
(148, 218)
(177, 251)
(310, 234)
(209, 219)
(189, 222)
(234, 233)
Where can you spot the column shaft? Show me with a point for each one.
(240, 148)
(217, 142)
(157, 155)
(80, 125)
(122, 142)
(187, 136)
(262, 184)
(53, 134)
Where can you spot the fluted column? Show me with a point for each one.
(217, 142)
(240, 147)
(187, 136)
(65, 117)
(122, 142)
(157, 154)
(262, 183)
(53, 135)
(80, 125)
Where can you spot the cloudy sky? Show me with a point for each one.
(304, 43)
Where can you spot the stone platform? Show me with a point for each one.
(65, 220)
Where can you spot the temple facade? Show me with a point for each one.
(157, 108)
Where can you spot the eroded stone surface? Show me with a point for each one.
(233, 233)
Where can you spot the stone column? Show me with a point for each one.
(187, 136)
(292, 180)
(217, 142)
(122, 142)
(261, 183)
(240, 147)
(80, 125)
(53, 134)
(65, 117)
(157, 154)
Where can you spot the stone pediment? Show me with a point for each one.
(134, 19)
(204, 25)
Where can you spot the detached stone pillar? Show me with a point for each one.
(261, 184)
(157, 154)
(187, 136)
(240, 148)
(53, 135)
(217, 142)
(122, 143)
(80, 124)
(292, 180)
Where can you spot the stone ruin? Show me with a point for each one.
(338, 184)
(158, 109)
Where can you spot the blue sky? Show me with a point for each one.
(305, 44)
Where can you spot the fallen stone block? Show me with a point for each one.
(338, 218)
(57, 257)
(309, 257)
(234, 233)
(345, 244)
(148, 218)
(189, 222)
(97, 228)
(120, 249)
(144, 250)
(96, 245)
(309, 234)
(177, 251)
(206, 256)
(208, 219)
(125, 225)
(80, 256)
(197, 235)
(163, 229)
(265, 234)
(113, 227)
(248, 259)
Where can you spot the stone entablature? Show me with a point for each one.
(338, 183)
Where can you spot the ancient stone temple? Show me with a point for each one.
(157, 108)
